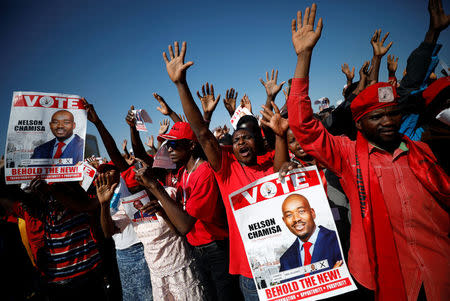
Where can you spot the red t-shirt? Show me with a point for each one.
(231, 177)
(200, 195)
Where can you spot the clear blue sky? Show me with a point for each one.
(111, 51)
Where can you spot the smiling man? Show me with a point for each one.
(313, 244)
(66, 144)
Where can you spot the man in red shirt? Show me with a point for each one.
(233, 168)
(390, 181)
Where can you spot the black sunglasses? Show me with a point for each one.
(176, 144)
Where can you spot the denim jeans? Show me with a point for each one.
(213, 263)
(248, 288)
(134, 274)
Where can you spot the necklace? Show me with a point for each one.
(185, 182)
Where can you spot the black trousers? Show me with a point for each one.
(213, 263)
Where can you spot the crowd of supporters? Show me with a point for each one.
(381, 154)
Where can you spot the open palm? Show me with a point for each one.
(304, 37)
(176, 68)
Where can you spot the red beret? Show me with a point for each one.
(374, 97)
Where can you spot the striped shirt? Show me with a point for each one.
(70, 248)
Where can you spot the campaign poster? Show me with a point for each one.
(89, 173)
(133, 205)
(142, 117)
(240, 111)
(46, 137)
(290, 237)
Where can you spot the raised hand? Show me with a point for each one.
(438, 19)
(286, 167)
(304, 37)
(230, 101)
(93, 162)
(164, 107)
(91, 114)
(182, 118)
(130, 160)
(348, 74)
(225, 129)
(145, 176)
(152, 207)
(209, 102)
(271, 86)
(176, 68)
(151, 142)
(131, 118)
(286, 93)
(163, 126)
(245, 102)
(124, 144)
(278, 124)
(218, 132)
(105, 187)
(392, 64)
(377, 45)
(364, 73)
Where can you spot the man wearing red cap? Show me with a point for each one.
(197, 212)
(396, 250)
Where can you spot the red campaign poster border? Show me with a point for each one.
(347, 283)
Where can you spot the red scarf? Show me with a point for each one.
(381, 249)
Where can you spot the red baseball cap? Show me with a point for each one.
(374, 97)
(435, 88)
(180, 130)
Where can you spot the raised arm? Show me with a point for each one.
(136, 142)
(151, 144)
(230, 101)
(182, 221)
(105, 191)
(364, 73)
(421, 59)
(209, 102)
(272, 88)
(309, 132)
(165, 109)
(279, 126)
(124, 148)
(438, 21)
(107, 139)
(392, 64)
(304, 38)
(176, 68)
(348, 74)
(379, 50)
